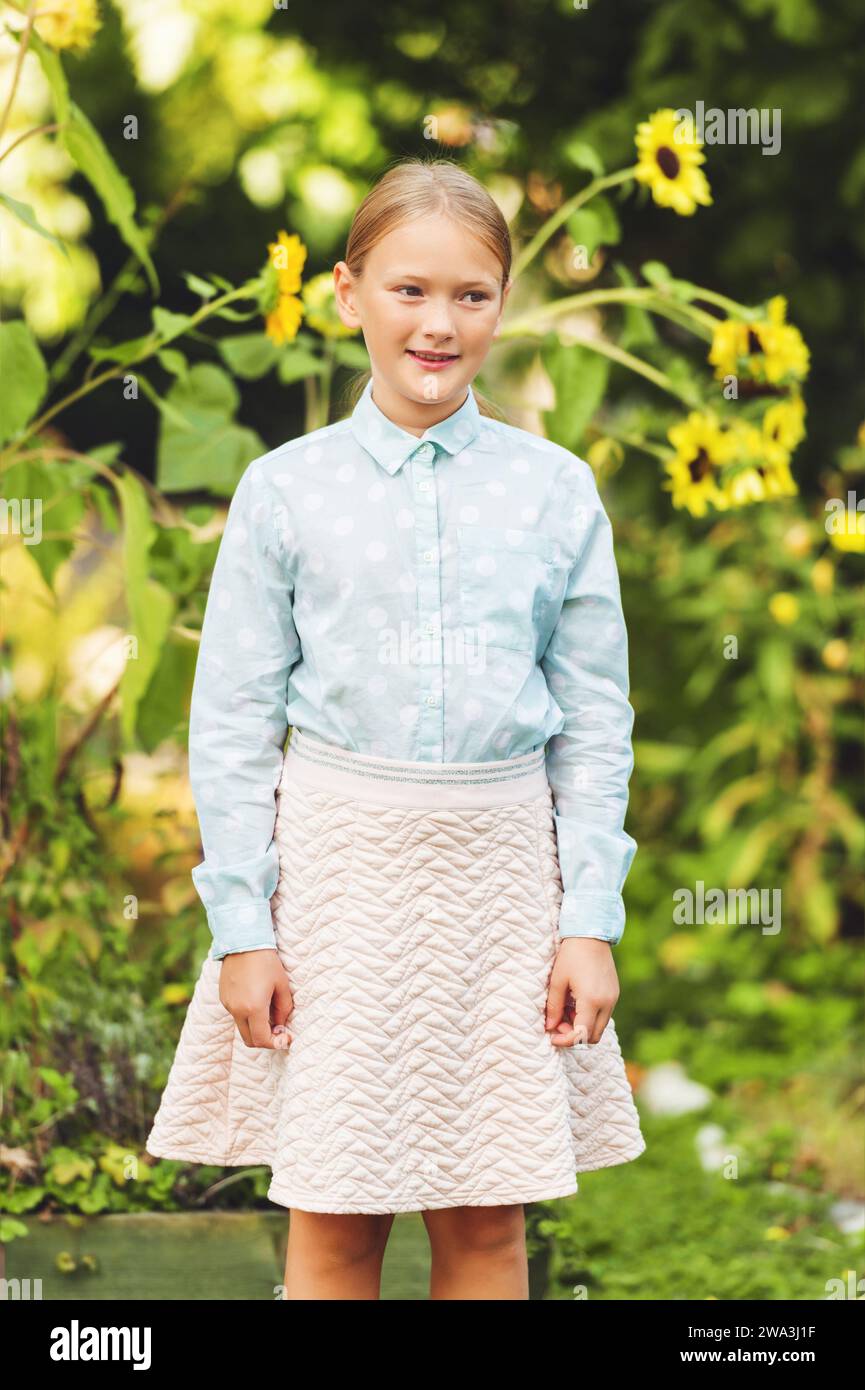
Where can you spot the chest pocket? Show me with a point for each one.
(507, 580)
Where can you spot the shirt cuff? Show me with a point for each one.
(246, 926)
(600, 915)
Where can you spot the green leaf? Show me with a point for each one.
(295, 364)
(168, 325)
(585, 229)
(84, 144)
(579, 378)
(594, 226)
(173, 361)
(203, 288)
(24, 377)
(121, 352)
(351, 352)
(655, 272)
(150, 606)
(53, 70)
(209, 450)
(249, 355)
(638, 327)
(59, 487)
(168, 693)
(25, 214)
(584, 156)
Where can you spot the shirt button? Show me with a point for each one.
(431, 700)
(424, 486)
(428, 555)
(430, 628)
(425, 451)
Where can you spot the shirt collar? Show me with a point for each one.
(391, 446)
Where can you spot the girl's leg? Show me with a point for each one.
(478, 1252)
(334, 1256)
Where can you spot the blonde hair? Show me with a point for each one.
(415, 187)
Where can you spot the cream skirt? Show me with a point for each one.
(416, 917)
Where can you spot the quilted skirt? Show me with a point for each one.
(416, 917)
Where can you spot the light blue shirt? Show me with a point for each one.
(448, 598)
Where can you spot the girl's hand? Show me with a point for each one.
(584, 966)
(253, 987)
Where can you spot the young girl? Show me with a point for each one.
(407, 1006)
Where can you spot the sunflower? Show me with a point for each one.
(703, 449)
(281, 306)
(763, 470)
(783, 428)
(67, 23)
(768, 350)
(669, 164)
(852, 535)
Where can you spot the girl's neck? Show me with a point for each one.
(415, 417)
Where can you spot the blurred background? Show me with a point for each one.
(686, 315)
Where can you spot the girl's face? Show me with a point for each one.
(429, 286)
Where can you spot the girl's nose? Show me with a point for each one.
(438, 322)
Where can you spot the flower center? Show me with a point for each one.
(668, 162)
(699, 466)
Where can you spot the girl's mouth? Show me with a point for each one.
(433, 361)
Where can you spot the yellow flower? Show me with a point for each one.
(851, 534)
(320, 302)
(823, 576)
(768, 350)
(797, 539)
(282, 308)
(766, 473)
(288, 257)
(702, 450)
(67, 23)
(836, 654)
(784, 608)
(281, 324)
(783, 429)
(669, 164)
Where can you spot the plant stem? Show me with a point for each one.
(125, 277)
(36, 130)
(648, 299)
(22, 49)
(553, 223)
(634, 442)
(205, 312)
(731, 305)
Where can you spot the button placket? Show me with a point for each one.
(427, 541)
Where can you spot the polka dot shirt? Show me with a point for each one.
(451, 597)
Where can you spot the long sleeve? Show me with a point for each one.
(590, 761)
(237, 721)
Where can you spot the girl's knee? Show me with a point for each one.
(481, 1230)
(341, 1240)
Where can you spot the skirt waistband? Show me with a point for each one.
(396, 782)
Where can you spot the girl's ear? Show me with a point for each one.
(505, 292)
(343, 287)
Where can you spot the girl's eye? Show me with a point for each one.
(482, 293)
